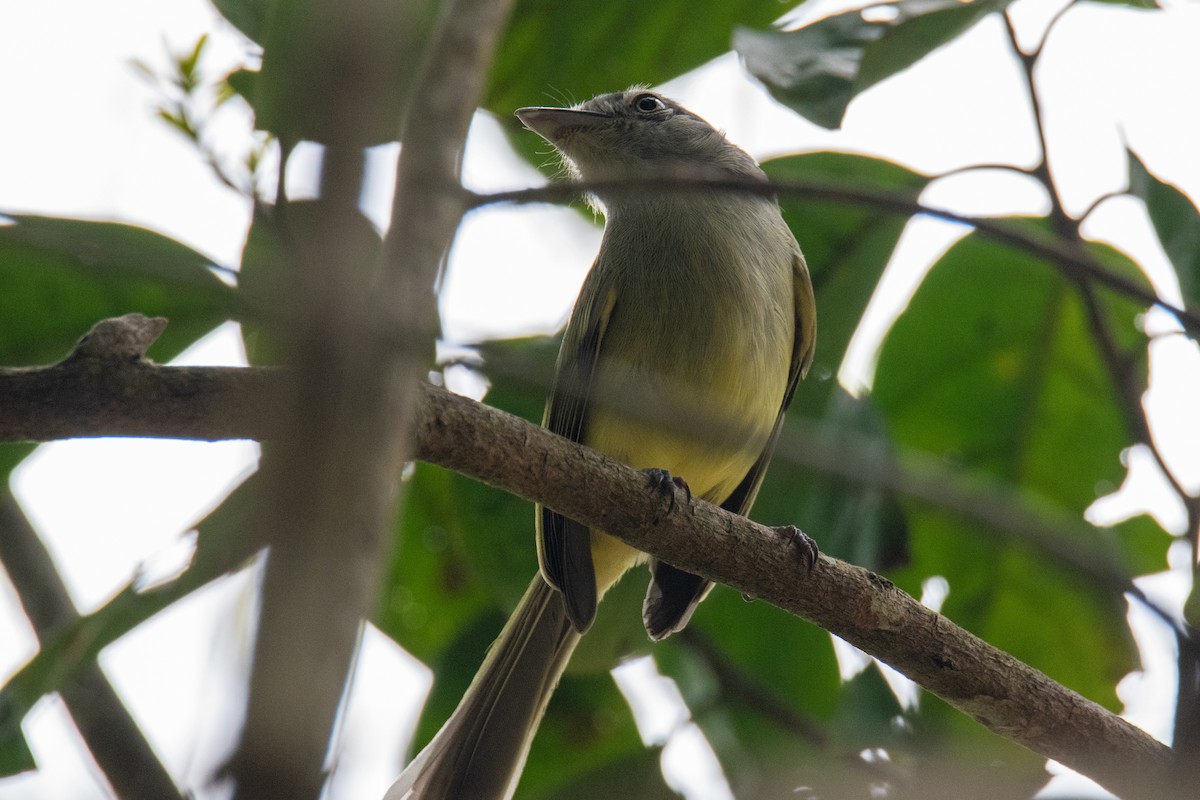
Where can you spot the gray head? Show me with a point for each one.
(636, 132)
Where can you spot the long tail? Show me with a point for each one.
(478, 754)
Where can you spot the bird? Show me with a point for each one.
(699, 305)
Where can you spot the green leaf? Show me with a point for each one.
(566, 51)
(466, 550)
(859, 523)
(818, 69)
(811, 70)
(15, 755)
(994, 366)
(311, 50)
(921, 30)
(1176, 221)
(61, 276)
(251, 17)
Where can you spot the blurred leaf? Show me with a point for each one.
(434, 593)
(15, 755)
(248, 16)
(1176, 221)
(276, 243)
(858, 523)
(61, 276)
(723, 652)
(818, 69)
(587, 724)
(993, 366)
(559, 52)
(588, 732)
(466, 549)
(311, 50)
(636, 772)
(188, 62)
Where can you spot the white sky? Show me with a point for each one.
(79, 138)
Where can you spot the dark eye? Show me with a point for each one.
(648, 103)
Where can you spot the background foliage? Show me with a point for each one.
(1016, 382)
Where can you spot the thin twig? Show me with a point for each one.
(1067, 256)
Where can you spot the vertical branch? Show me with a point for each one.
(429, 201)
(1120, 364)
(1121, 368)
(333, 477)
(1064, 226)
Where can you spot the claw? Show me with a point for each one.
(808, 550)
(664, 483)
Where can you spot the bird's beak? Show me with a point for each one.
(550, 123)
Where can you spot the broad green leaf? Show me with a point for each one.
(317, 54)
(1176, 221)
(994, 366)
(818, 69)
(857, 522)
(61, 276)
(560, 52)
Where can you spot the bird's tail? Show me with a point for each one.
(478, 754)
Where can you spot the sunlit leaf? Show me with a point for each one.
(1176, 221)
(994, 366)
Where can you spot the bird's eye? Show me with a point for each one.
(648, 103)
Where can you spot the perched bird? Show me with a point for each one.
(699, 306)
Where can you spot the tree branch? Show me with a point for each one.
(1007, 696)
(112, 736)
(332, 476)
(865, 609)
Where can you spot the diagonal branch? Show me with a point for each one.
(1007, 696)
(110, 733)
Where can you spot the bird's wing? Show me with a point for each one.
(564, 545)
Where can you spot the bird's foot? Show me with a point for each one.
(668, 485)
(806, 548)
